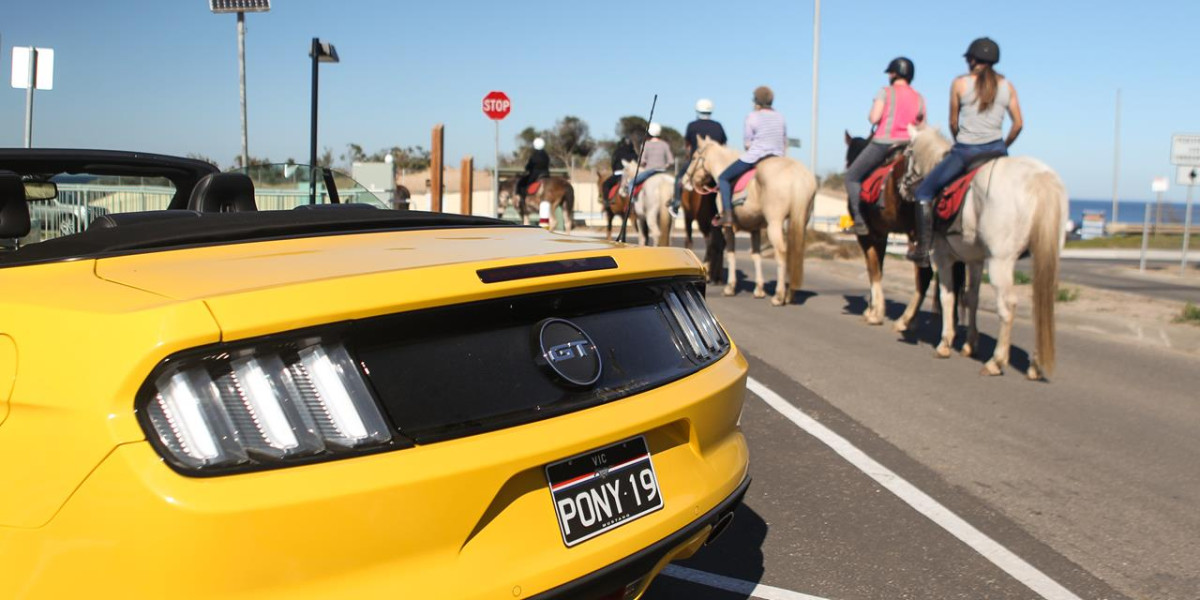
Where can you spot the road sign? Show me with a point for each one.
(496, 105)
(1185, 149)
(44, 72)
(1187, 175)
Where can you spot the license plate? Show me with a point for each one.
(603, 489)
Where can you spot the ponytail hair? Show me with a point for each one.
(986, 82)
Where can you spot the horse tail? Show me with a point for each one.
(568, 200)
(798, 213)
(1045, 243)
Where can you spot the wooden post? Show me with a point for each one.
(435, 168)
(468, 179)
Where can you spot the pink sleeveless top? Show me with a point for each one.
(902, 106)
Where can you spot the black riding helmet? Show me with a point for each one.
(984, 50)
(903, 68)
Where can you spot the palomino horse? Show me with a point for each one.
(654, 198)
(782, 190)
(558, 191)
(888, 215)
(613, 207)
(1013, 204)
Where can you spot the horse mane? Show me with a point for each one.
(929, 146)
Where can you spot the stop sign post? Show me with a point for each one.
(496, 106)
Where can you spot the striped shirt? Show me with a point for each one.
(765, 135)
(656, 155)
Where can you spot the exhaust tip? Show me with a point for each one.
(722, 524)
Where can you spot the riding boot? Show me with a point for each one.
(676, 202)
(860, 222)
(723, 219)
(920, 253)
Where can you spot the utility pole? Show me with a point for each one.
(1116, 158)
(816, 72)
(241, 27)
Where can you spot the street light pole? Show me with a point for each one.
(816, 77)
(312, 137)
(241, 27)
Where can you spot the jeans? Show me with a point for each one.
(679, 181)
(726, 180)
(952, 166)
(644, 175)
(871, 157)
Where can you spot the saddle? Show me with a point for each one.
(740, 191)
(872, 186)
(533, 188)
(949, 201)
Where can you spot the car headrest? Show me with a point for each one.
(14, 209)
(223, 192)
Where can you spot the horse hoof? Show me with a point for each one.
(1034, 374)
(777, 301)
(900, 327)
(968, 350)
(873, 320)
(943, 351)
(728, 291)
(760, 294)
(991, 368)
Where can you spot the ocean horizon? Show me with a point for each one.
(1133, 211)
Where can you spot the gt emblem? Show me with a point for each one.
(567, 352)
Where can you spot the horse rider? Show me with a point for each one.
(656, 155)
(702, 126)
(623, 151)
(896, 106)
(978, 101)
(537, 167)
(764, 135)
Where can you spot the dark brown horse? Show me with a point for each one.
(890, 214)
(701, 208)
(613, 207)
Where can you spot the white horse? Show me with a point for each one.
(653, 204)
(782, 190)
(1014, 204)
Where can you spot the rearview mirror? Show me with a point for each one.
(41, 190)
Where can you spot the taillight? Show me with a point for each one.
(261, 407)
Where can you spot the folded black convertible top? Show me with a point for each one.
(212, 229)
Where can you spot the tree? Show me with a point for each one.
(632, 127)
(570, 139)
(326, 159)
(354, 153)
(198, 156)
(254, 161)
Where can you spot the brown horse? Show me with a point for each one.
(701, 208)
(888, 215)
(613, 207)
(558, 191)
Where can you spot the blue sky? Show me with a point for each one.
(161, 75)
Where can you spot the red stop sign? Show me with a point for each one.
(496, 105)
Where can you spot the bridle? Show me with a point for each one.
(697, 164)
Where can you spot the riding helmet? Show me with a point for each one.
(763, 96)
(903, 68)
(654, 130)
(704, 106)
(984, 50)
(538, 143)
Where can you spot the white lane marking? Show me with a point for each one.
(987, 547)
(737, 586)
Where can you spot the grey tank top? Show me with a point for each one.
(981, 127)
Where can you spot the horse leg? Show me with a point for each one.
(553, 217)
(922, 276)
(730, 262)
(610, 216)
(974, 272)
(783, 287)
(687, 230)
(756, 255)
(1001, 273)
(943, 264)
(569, 215)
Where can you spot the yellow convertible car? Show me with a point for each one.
(226, 387)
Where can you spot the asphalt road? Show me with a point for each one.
(1091, 479)
(1161, 279)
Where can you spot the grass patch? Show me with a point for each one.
(1066, 294)
(1161, 241)
(1190, 314)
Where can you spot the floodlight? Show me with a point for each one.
(325, 52)
(239, 6)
